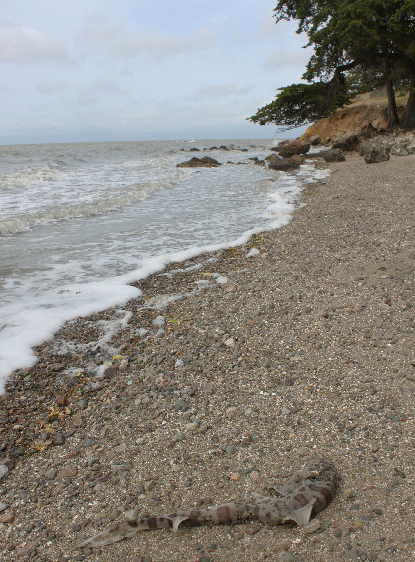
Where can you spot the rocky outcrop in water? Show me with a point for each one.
(292, 147)
(283, 164)
(205, 162)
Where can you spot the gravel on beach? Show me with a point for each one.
(230, 372)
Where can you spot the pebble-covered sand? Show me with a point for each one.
(299, 343)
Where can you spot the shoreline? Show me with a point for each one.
(90, 285)
(306, 348)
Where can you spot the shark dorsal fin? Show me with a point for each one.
(301, 516)
(177, 520)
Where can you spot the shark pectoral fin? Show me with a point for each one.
(177, 520)
(115, 533)
(301, 516)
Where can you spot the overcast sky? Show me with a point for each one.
(80, 70)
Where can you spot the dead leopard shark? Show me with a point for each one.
(308, 492)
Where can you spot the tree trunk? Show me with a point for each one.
(393, 117)
(408, 121)
(336, 85)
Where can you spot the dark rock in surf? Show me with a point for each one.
(293, 147)
(283, 164)
(257, 161)
(205, 162)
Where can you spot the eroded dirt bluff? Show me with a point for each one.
(366, 111)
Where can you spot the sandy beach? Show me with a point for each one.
(232, 371)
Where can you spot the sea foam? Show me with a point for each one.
(71, 266)
(42, 317)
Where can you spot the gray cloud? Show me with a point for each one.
(97, 90)
(222, 90)
(52, 87)
(283, 59)
(24, 44)
(103, 36)
(108, 87)
(267, 25)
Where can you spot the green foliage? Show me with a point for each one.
(374, 39)
(362, 81)
(297, 105)
(373, 33)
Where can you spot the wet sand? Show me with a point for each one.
(306, 347)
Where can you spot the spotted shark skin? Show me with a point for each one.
(304, 496)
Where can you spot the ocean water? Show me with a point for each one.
(79, 222)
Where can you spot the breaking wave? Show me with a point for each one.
(23, 222)
(89, 202)
(22, 178)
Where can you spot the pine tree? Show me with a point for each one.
(374, 38)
